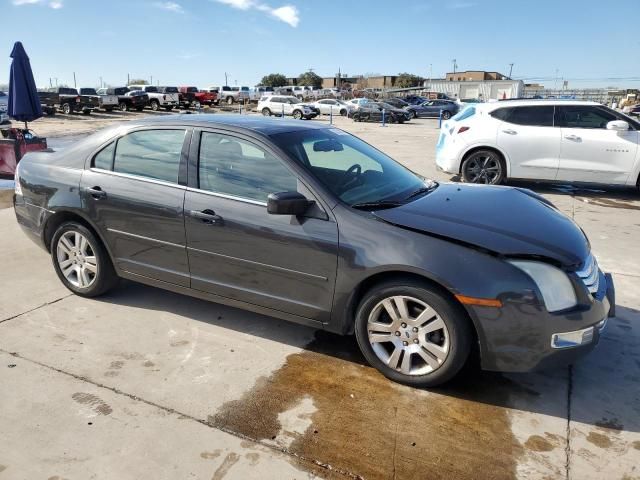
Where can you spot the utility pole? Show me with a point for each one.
(151, 82)
(74, 80)
(510, 70)
(128, 80)
(56, 79)
(338, 85)
(101, 84)
(455, 65)
(50, 83)
(430, 73)
(555, 82)
(226, 81)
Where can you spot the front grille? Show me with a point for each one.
(590, 274)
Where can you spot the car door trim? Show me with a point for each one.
(259, 264)
(138, 177)
(142, 237)
(228, 197)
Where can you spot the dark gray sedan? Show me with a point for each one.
(310, 224)
(432, 108)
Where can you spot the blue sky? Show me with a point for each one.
(196, 41)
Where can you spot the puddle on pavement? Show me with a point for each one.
(352, 418)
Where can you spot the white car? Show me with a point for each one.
(542, 140)
(332, 106)
(157, 99)
(286, 105)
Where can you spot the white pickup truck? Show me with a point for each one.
(106, 102)
(157, 99)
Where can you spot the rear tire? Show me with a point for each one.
(297, 114)
(483, 166)
(66, 108)
(123, 107)
(229, 100)
(266, 112)
(446, 115)
(155, 105)
(81, 261)
(405, 346)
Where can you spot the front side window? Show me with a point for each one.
(232, 166)
(350, 168)
(151, 154)
(583, 116)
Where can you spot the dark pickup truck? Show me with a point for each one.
(68, 100)
(137, 100)
(107, 102)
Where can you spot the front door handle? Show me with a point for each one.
(96, 192)
(575, 138)
(510, 132)
(207, 216)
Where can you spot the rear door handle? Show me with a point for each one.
(207, 216)
(575, 138)
(510, 132)
(96, 192)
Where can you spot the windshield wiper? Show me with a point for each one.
(375, 205)
(422, 190)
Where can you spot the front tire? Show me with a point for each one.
(413, 333)
(297, 115)
(66, 108)
(446, 115)
(483, 166)
(81, 261)
(155, 105)
(229, 100)
(266, 112)
(123, 107)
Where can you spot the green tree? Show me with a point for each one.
(310, 79)
(138, 81)
(274, 80)
(406, 80)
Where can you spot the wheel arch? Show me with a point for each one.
(366, 284)
(63, 216)
(475, 148)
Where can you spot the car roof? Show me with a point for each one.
(264, 125)
(527, 102)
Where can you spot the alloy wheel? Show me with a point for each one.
(484, 168)
(408, 335)
(77, 259)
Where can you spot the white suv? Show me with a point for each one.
(542, 140)
(287, 105)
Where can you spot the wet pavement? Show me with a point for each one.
(142, 383)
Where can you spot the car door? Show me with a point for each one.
(429, 109)
(532, 144)
(132, 192)
(591, 153)
(237, 249)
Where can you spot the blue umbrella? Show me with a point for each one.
(24, 104)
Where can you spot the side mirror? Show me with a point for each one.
(618, 125)
(287, 203)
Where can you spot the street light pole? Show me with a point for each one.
(510, 70)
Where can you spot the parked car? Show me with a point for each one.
(358, 102)
(158, 99)
(206, 97)
(635, 111)
(172, 91)
(106, 102)
(397, 102)
(231, 95)
(189, 97)
(4, 102)
(372, 112)
(432, 108)
(415, 99)
(68, 100)
(332, 106)
(126, 101)
(570, 141)
(286, 105)
(281, 221)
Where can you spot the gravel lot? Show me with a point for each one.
(143, 383)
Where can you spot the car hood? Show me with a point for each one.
(503, 220)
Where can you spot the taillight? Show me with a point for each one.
(77, 99)
(463, 129)
(164, 97)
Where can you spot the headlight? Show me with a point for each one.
(554, 285)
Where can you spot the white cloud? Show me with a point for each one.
(55, 4)
(170, 6)
(287, 13)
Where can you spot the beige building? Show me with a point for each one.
(474, 76)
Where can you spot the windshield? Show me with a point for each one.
(88, 91)
(170, 89)
(293, 100)
(353, 170)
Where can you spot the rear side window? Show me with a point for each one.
(500, 114)
(104, 158)
(534, 116)
(151, 154)
(466, 113)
